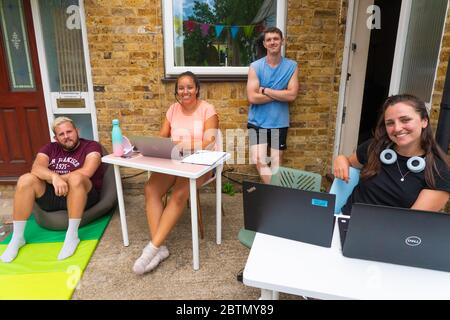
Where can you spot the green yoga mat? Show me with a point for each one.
(36, 273)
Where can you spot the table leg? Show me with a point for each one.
(195, 251)
(219, 204)
(269, 295)
(123, 220)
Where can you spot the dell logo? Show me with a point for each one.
(413, 241)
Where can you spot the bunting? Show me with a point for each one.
(234, 31)
(205, 29)
(248, 30)
(219, 29)
(191, 25)
(178, 25)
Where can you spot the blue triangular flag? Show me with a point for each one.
(219, 29)
(234, 31)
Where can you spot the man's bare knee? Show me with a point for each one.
(77, 180)
(28, 180)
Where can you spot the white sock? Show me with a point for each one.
(160, 256)
(17, 241)
(71, 241)
(147, 255)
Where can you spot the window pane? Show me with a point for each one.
(15, 42)
(83, 122)
(61, 27)
(220, 32)
(422, 47)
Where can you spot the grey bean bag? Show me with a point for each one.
(58, 220)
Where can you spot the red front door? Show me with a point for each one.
(23, 120)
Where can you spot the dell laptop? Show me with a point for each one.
(305, 216)
(157, 147)
(397, 235)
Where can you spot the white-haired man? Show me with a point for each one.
(66, 174)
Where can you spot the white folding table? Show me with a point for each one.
(176, 168)
(280, 265)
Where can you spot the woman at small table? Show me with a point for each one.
(402, 166)
(192, 123)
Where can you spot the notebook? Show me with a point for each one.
(397, 235)
(204, 157)
(305, 216)
(157, 147)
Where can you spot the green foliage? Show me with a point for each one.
(228, 188)
(240, 50)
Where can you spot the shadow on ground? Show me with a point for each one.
(109, 275)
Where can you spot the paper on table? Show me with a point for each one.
(204, 157)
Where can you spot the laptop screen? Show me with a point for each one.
(401, 236)
(294, 214)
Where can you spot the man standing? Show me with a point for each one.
(66, 174)
(272, 83)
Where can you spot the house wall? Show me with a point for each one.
(126, 54)
(440, 76)
(126, 49)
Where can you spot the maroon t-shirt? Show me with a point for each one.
(63, 162)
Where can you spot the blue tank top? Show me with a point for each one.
(274, 114)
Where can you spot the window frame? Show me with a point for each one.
(168, 35)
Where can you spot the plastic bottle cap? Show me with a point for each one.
(115, 121)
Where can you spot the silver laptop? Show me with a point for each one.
(401, 236)
(300, 215)
(157, 147)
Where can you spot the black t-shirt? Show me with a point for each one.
(387, 189)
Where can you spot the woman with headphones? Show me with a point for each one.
(192, 123)
(402, 166)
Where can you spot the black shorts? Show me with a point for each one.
(51, 202)
(274, 138)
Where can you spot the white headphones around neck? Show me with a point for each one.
(415, 164)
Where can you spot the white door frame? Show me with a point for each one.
(400, 45)
(49, 97)
(351, 90)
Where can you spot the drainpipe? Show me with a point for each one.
(443, 127)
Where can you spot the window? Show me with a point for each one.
(426, 24)
(217, 37)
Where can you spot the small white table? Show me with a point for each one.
(281, 265)
(176, 168)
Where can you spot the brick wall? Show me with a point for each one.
(440, 79)
(126, 48)
(440, 76)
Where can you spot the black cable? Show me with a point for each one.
(134, 175)
(231, 179)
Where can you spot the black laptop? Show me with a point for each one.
(397, 235)
(305, 216)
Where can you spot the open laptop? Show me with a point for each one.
(397, 235)
(305, 216)
(157, 147)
